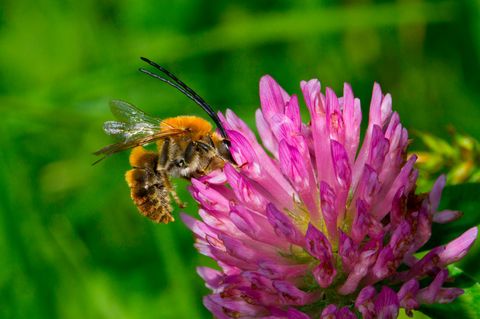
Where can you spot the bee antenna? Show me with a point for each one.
(175, 82)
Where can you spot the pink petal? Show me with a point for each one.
(446, 216)
(292, 111)
(283, 128)
(407, 296)
(348, 251)
(364, 223)
(352, 116)
(345, 313)
(244, 190)
(385, 264)
(272, 97)
(216, 177)
(378, 148)
(335, 124)
(208, 197)
(239, 249)
(224, 308)
(233, 122)
(365, 302)
(255, 164)
(243, 153)
(294, 167)
(365, 261)
(266, 134)
(329, 312)
(436, 193)
(447, 295)
(276, 270)
(291, 313)
(386, 108)
(386, 304)
(341, 165)
(328, 200)
(298, 168)
(369, 185)
(324, 273)
(428, 295)
(311, 94)
(386, 197)
(459, 247)
(376, 116)
(255, 226)
(318, 246)
(213, 278)
(283, 226)
(290, 294)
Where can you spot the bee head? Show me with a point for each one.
(224, 150)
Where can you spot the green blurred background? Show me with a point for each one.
(72, 244)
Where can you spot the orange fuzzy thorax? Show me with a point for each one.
(195, 126)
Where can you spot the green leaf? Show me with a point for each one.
(416, 315)
(436, 144)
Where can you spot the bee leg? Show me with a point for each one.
(164, 155)
(208, 165)
(171, 189)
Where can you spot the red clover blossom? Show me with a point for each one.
(320, 226)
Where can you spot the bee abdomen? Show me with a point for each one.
(149, 194)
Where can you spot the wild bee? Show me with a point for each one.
(186, 147)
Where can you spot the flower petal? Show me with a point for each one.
(386, 304)
(328, 200)
(272, 97)
(329, 312)
(266, 134)
(365, 302)
(244, 190)
(407, 296)
(446, 216)
(318, 246)
(283, 226)
(459, 247)
(429, 294)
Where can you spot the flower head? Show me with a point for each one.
(320, 224)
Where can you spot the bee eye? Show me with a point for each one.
(227, 144)
(180, 163)
(224, 150)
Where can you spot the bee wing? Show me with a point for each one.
(131, 143)
(134, 128)
(129, 131)
(127, 113)
(132, 122)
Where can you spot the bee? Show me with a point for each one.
(187, 147)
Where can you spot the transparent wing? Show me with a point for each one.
(133, 122)
(127, 113)
(129, 131)
(124, 145)
(133, 128)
